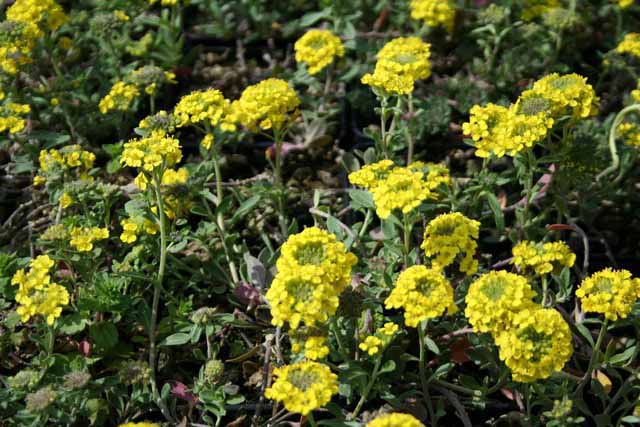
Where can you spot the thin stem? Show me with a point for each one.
(615, 159)
(51, 338)
(312, 421)
(593, 361)
(406, 228)
(408, 129)
(365, 224)
(157, 289)
(279, 184)
(367, 389)
(422, 371)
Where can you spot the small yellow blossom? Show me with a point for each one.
(315, 348)
(371, 345)
(630, 45)
(119, 97)
(630, 133)
(265, 105)
(450, 235)
(208, 107)
(121, 15)
(370, 176)
(535, 8)
(395, 420)
(495, 298)
(623, 3)
(46, 14)
(543, 258)
(65, 200)
(434, 13)
(318, 49)
(11, 117)
(609, 292)
(140, 424)
(423, 293)
(82, 238)
(536, 344)
(303, 387)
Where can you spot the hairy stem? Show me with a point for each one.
(423, 376)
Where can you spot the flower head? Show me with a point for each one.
(609, 292)
(149, 78)
(371, 175)
(536, 8)
(303, 387)
(266, 105)
(494, 299)
(630, 132)
(119, 97)
(46, 14)
(82, 238)
(630, 45)
(537, 344)
(423, 293)
(318, 49)
(151, 152)
(207, 106)
(395, 420)
(450, 235)
(16, 43)
(434, 13)
(543, 258)
(569, 94)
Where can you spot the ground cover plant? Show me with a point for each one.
(398, 213)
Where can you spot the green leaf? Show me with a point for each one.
(388, 366)
(104, 335)
(585, 333)
(179, 338)
(361, 199)
(312, 17)
(431, 345)
(498, 216)
(246, 207)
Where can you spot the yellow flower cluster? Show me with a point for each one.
(132, 227)
(149, 78)
(382, 337)
(318, 49)
(533, 341)
(537, 344)
(450, 235)
(164, 2)
(609, 292)
(46, 14)
(403, 188)
(265, 105)
(543, 258)
(423, 293)
(501, 131)
(141, 424)
(161, 121)
(303, 387)
(494, 299)
(11, 116)
(65, 200)
(151, 152)
(630, 132)
(82, 238)
(395, 420)
(399, 64)
(313, 270)
(630, 45)
(16, 42)
(119, 97)
(635, 94)
(434, 13)
(623, 3)
(37, 295)
(208, 107)
(535, 8)
(315, 348)
(71, 157)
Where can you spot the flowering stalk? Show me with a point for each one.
(369, 386)
(593, 361)
(422, 371)
(279, 184)
(157, 289)
(408, 129)
(615, 159)
(406, 228)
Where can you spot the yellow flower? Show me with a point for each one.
(536, 8)
(161, 122)
(39, 180)
(207, 141)
(175, 177)
(543, 258)
(423, 293)
(630, 45)
(537, 344)
(609, 292)
(317, 248)
(400, 63)
(630, 132)
(208, 107)
(119, 97)
(151, 152)
(317, 49)
(46, 14)
(11, 117)
(165, 2)
(316, 348)
(16, 43)
(495, 298)
(65, 200)
(370, 176)
(302, 296)
(121, 15)
(82, 238)
(141, 424)
(303, 387)
(36, 294)
(635, 94)
(389, 329)
(265, 105)
(569, 94)
(623, 3)
(395, 420)
(149, 78)
(450, 235)
(434, 13)
(371, 345)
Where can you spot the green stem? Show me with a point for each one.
(408, 129)
(593, 361)
(423, 376)
(157, 289)
(615, 159)
(51, 339)
(368, 388)
(279, 184)
(365, 224)
(406, 228)
(312, 421)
